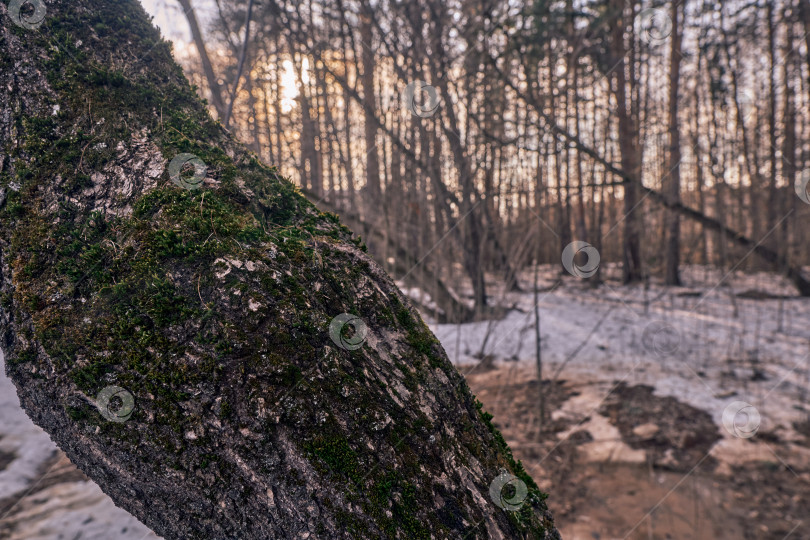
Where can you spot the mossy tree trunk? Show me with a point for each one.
(172, 333)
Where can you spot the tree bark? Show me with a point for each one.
(772, 208)
(804, 15)
(373, 186)
(204, 304)
(628, 141)
(788, 160)
(673, 190)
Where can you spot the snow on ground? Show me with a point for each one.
(42, 496)
(706, 344)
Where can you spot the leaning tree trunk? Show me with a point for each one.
(181, 334)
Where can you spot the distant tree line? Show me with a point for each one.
(466, 139)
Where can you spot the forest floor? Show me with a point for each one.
(636, 380)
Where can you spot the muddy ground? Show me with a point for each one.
(640, 466)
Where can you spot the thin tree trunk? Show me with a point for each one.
(628, 128)
(538, 345)
(368, 64)
(240, 67)
(772, 210)
(789, 168)
(673, 190)
(196, 34)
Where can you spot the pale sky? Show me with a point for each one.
(174, 26)
(169, 17)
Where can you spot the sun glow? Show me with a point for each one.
(289, 83)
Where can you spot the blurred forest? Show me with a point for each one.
(466, 139)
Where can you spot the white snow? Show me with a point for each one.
(703, 348)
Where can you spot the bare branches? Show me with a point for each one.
(242, 54)
(208, 69)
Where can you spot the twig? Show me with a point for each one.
(537, 350)
(198, 289)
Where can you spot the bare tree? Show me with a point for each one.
(673, 190)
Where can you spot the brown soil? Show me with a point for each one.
(685, 435)
(678, 493)
(6, 458)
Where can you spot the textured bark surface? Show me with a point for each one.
(211, 308)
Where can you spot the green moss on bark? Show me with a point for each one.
(226, 293)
